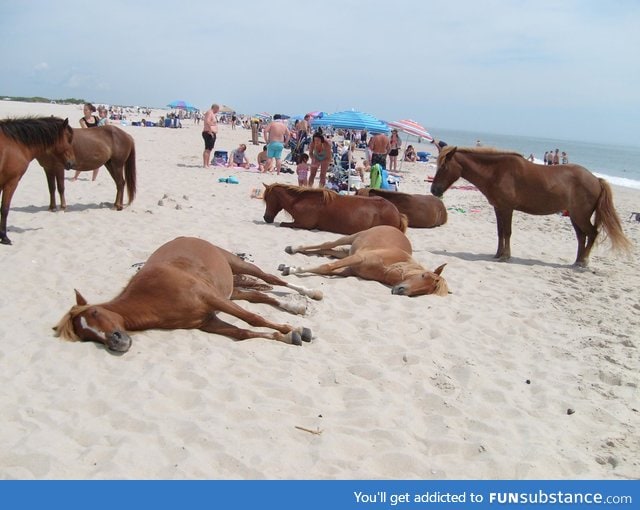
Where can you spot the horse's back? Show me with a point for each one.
(381, 236)
(190, 254)
(423, 211)
(348, 214)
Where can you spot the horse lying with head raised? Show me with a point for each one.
(182, 286)
(323, 209)
(382, 254)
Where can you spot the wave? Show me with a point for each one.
(619, 181)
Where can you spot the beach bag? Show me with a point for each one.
(379, 178)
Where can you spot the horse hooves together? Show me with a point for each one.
(286, 270)
(296, 339)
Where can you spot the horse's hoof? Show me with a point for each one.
(306, 335)
(296, 339)
(286, 271)
(5, 240)
(289, 250)
(281, 267)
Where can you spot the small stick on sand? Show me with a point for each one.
(317, 432)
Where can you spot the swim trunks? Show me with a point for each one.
(274, 150)
(209, 140)
(381, 159)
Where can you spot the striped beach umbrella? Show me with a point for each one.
(352, 119)
(411, 127)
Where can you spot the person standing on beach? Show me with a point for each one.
(89, 120)
(276, 134)
(394, 150)
(565, 158)
(209, 133)
(379, 146)
(555, 158)
(321, 152)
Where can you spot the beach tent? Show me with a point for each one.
(351, 119)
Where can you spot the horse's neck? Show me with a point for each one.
(400, 271)
(137, 309)
(481, 171)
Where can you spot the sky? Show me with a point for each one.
(556, 69)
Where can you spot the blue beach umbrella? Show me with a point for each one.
(352, 119)
(182, 105)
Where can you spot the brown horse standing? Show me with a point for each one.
(22, 140)
(322, 209)
(182, 286)
(423, 211)
(107, 145)
(382, 254)
(510, 182)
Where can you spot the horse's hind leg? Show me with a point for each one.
(503, 219)
(325, 249)
(254, 296)
(117, 173)
(586, 234)
(338, 268)
(220, 327)
(239, 266)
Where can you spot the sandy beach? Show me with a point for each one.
(475, 385)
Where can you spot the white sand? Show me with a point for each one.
(421, 388)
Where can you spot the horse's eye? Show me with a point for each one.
(94, 313)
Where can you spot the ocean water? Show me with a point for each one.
(619, 164)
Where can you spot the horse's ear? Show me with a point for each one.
(79, 299)
(265, 185)
(65, 123)
(439, 269)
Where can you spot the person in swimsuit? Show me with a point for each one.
(209, 133)
(276, 135)
(379, 146)
(394, 145)
(88, 121)
(320, 150)
(264, 163)
(302, 169)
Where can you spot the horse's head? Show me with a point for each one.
(63, 149)
(423, 283)
(94, 323)
(272, 201)
(449, 171)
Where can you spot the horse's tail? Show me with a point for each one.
(130, 173)
(608, 221)
(404, 222)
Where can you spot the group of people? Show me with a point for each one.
(555, 158)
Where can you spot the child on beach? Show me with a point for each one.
(302, 169)
(265, 164)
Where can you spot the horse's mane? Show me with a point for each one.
(33, 131)
(490, 151)
(64, 328)
(327, 194)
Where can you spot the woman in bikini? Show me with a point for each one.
(320, 151)
(394, 144)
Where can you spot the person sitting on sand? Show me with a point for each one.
(410, 154)
(265, 163)
(239, 157)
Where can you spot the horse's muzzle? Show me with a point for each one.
(118, 341)
(399, 290)
(268, 219)
(437, 191)
(69, 164)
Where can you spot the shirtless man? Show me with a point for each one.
(276, 134)
(209, 133)
(379, 146)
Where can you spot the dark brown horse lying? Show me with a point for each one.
(107, 145)
(382, 254)
(22, 140)
(183, 285)
(423, 211)
(322, 209)
(510, 182)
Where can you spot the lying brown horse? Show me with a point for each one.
(22, 140)
(107, 145)
(323, 209)
(510, 182)
(382, 254)
(182, 286)
(423, 211)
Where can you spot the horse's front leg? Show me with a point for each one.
(503, 220)
(341, 267)
(51, 183)
(60, 183)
